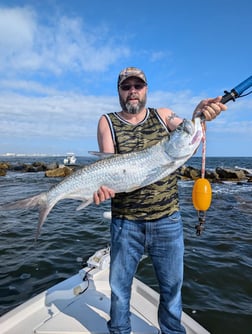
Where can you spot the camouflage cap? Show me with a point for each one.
(129, 72)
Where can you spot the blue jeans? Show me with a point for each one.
(163, 240)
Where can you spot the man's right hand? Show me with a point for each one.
(102, 194)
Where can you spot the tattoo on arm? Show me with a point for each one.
(172, 116)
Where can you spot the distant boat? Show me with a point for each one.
(70, 159)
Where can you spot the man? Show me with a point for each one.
(147, 219)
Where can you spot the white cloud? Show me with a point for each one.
(75, 115)
(39, 55)
(182, 103)
(60, 117)
(31, 87)
(157, 56)
(17, 29)
(62, 45)
(52, 116)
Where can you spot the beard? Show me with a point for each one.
(132, 108)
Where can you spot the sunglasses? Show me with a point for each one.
(137, 86)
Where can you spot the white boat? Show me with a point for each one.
(81, 303)
(70, 159)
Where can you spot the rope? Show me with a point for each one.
(202, 214)
(203, 164)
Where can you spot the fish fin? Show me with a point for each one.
(39, 201)
(44, 210)
(84, 204)
(102, 155)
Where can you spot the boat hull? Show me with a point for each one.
(81, 304)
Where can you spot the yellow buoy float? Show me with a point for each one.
(202, 194)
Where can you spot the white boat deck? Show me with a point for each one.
(77, 306)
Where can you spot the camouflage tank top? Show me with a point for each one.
(158, 199)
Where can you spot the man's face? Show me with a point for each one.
(132, 95)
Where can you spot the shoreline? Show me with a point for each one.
(55, 169)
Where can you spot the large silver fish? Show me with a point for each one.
(122, 172)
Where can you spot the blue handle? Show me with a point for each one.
(243, 85)
(237, 91)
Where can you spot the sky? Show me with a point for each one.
(60, 59)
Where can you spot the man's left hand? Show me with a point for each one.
(210, 108)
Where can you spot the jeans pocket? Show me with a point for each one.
(115, 229)
(169, 228)
(174, 218)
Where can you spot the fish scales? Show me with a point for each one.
(121, 172)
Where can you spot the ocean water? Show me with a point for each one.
(217, 290)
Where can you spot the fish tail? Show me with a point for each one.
(39, 201)
(26, 203)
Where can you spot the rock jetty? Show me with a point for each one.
(184, 173)
(220, 174)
